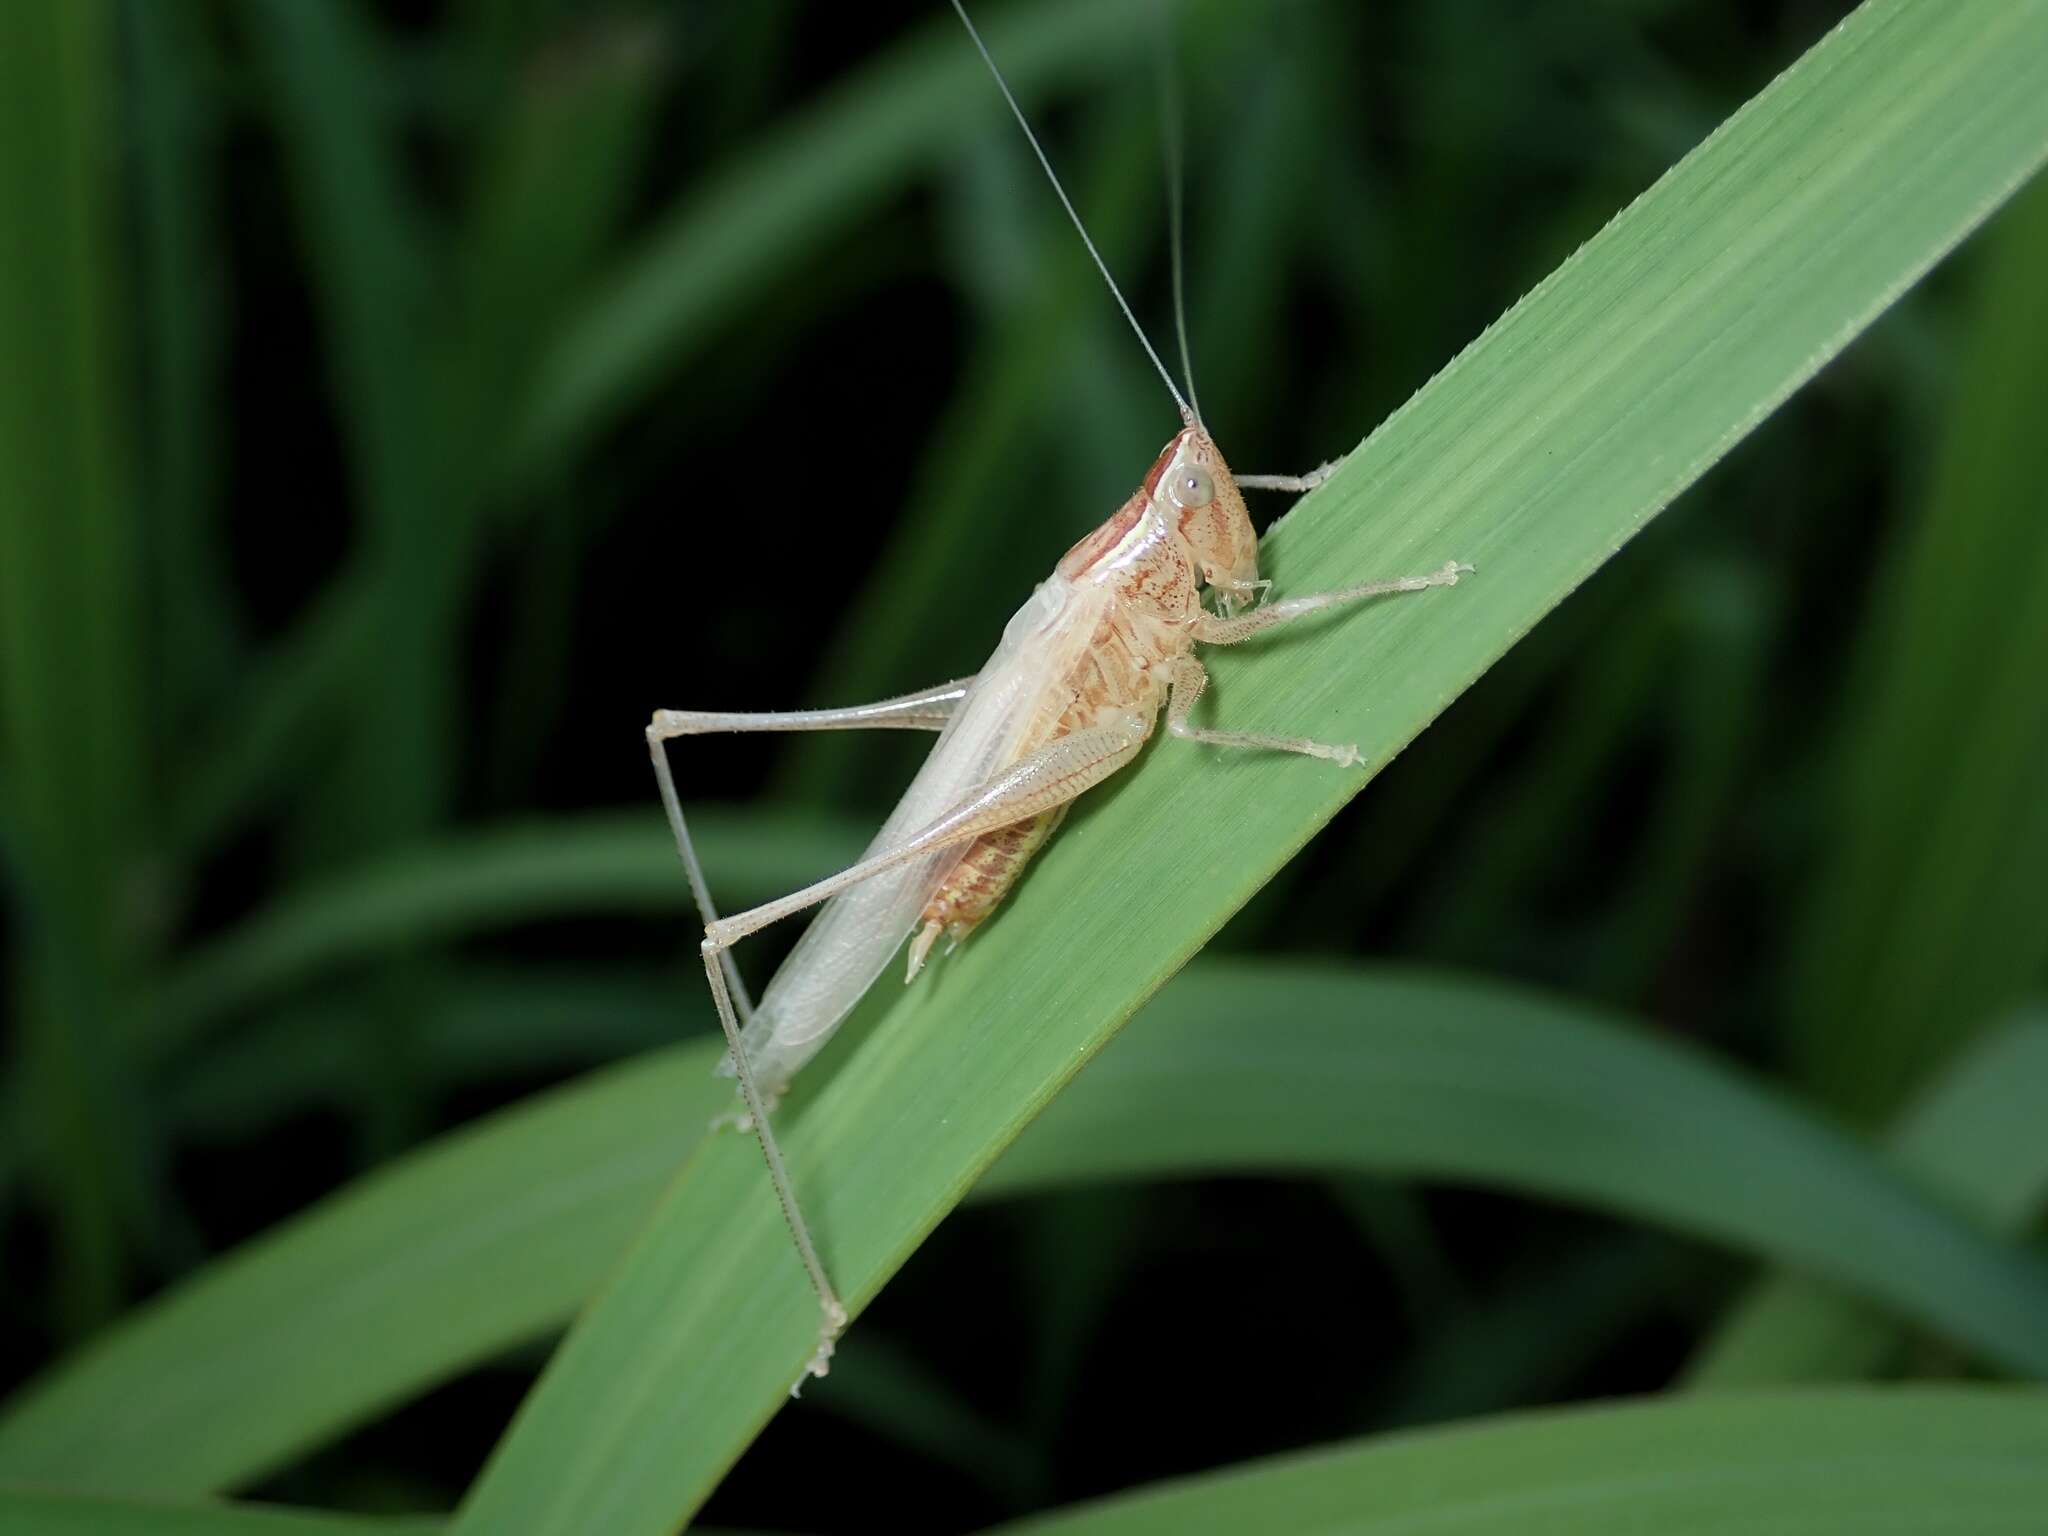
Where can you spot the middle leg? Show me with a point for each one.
(1186, 685)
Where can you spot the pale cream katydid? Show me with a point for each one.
(1072, 691)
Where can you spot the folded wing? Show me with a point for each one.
(1012, 707)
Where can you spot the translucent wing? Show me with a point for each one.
(1013, 705)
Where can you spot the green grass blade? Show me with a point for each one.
(1928, 920)
(498, 1233)
(1977, 1137)
(558, 176)
(555, 182)
(731, 238)
(1535, 455)
(49, 1513)
(74, 735)
(1963, 1462)
(458, 886)
(368, 253)
(179, 136)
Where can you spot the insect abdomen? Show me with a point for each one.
(985, 873)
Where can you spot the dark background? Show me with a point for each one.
(349, 290)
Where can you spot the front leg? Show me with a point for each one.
(1299, 485)
(1212, 629)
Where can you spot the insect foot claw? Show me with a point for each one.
(820, 1363)
(735, 1118)
(740, 1118)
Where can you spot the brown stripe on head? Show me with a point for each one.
(1103, 540)
(1164, 462)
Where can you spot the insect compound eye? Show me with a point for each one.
(1191, 487)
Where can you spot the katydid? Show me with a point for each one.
(1073, 689)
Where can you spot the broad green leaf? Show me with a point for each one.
(1959, 1461)
(51, 1513)
(495, 1235)
(1979, 1138)
(492, 1236)
(1927, 919)
(1420, 1077)
(1534, 455)
(460, 885)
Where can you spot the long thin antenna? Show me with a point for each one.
(1172, 125)
(1186, 414)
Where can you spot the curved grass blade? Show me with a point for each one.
(1480, 1084)
(1928, 912)
(1846, 1463)
(1534, 455)
(495, 1235)
(1978, 1137)
(1927, 919)
(490, 1237)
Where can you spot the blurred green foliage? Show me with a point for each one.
(400, 399)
